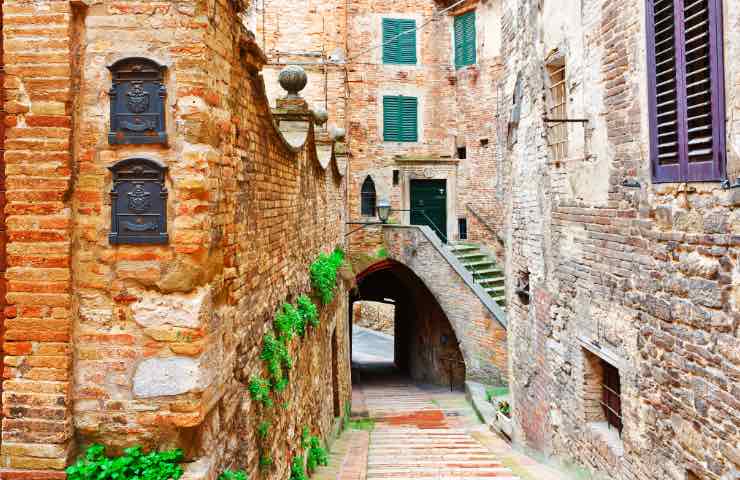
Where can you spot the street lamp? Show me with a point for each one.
(383, 208)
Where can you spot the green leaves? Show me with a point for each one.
(308, 311)
(324, 274)
(231, 475)
(133, 465)
(259, 389)
(287, 322)
(317, 455)
(297, 472)
(263, 429)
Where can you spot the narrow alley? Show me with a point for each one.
(402, 430)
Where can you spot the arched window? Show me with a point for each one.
(367, 205)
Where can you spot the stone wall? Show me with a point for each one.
(375, 316)
(642, 277)
(481, 336)
(155, 345)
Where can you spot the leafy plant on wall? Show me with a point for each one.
(293, 321)
(134, 463)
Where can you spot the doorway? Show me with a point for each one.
(429, 205)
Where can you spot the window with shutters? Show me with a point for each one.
(399, 41)
(367, 198)
(400, 119)
(465, 44)
(686, 88)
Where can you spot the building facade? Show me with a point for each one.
(157, 223)
(417, 102)
(623, 230)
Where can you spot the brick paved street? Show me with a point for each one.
(424, 432)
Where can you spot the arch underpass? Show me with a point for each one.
(426, 346)
(445, 325)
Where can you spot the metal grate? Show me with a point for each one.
(557, 132)
(611, 396)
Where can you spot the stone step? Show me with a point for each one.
(480, 265)
(470, 257)
(495, 292)
(492, 280)
(488, 271)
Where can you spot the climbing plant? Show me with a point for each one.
(324, 274)
(317, 454)
(263, 429)
(297, 471)
(291, 321)
(259, 389)
(231, 475)
(134, 463)
(308, 310)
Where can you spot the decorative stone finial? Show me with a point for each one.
(320, 116)
(293, 79)
(338, 134)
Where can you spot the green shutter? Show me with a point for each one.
(465, 44)
(399, 49)
(391, 115)
(400, 119)
(409, 121)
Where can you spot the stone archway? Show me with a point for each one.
(427, 347)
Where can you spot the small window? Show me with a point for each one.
(399, 41)
(557, 132)
(686, 90)
(462, 153)
(603, 393)
(400, 119)
(396, 177)
(462, 224)
(465, 43)
(367, 203)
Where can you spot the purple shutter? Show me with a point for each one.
(704, 94)
(686, 88)
(663, 91)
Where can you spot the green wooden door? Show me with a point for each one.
(429, 205)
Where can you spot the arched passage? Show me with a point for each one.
(426, 346)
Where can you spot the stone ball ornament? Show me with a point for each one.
(320, 116)
(293, 79)
(338, 134)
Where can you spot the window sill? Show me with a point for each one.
(604, 433)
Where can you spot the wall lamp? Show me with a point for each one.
(382, 208)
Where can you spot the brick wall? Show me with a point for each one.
(93, 329)
(40, 42)
(456, 108)
(645, 277)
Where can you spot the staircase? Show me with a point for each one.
(484, 269)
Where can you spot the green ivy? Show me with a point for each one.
(271, 356)
(287, 321)
(324, 274)
(265, 462)
(308, 310)
(297, 472)
(317, 455)
(305, 437)
(382, 253)
(231, 475)
(263, 429)
(259, 389)
(133, 464)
